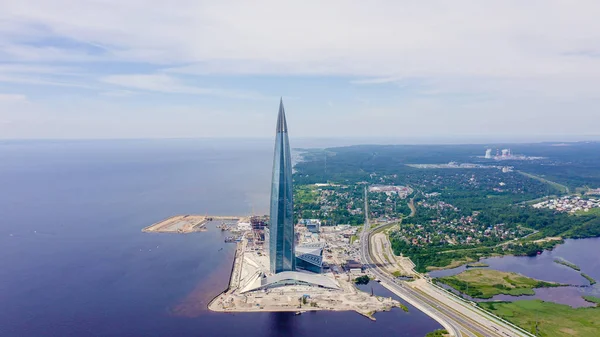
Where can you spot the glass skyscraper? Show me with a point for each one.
(281, 224)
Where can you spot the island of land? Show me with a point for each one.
(592, 299)
(486, 283)
(589, 278)
(567, 263)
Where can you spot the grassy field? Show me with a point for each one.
(589, 278)
(306, 195)
(437, 333)
(546, 319)
(567, 263)
(561, 188)
(595, 211)
(486, 283)
(453, 264)
(592, 299)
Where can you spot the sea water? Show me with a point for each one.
(74, 262)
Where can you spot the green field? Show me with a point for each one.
(437, 333)
(305, 194)
(548, 319)
(589, 278)
(561, 188)
(486, 283)
(567, 263)
(593, 211)
(592, 299)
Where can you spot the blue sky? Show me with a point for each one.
(436, 69)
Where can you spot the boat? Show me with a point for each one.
(298, 313)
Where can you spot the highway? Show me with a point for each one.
(458, 317)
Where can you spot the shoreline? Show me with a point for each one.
(187, 223)
(453, 266)
(296, 297)
(369, 315)
(528, 285)
(212, 306)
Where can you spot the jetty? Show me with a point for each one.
(187, 223)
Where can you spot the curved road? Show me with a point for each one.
(452, 318)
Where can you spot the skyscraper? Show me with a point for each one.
(281, 224)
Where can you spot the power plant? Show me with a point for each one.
(488, 154)
(507, 154)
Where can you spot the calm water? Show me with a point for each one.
(585, 253)
(74, 262)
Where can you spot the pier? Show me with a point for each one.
(187, 223)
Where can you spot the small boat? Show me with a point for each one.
(298, 313)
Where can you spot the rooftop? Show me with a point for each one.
(299, 277)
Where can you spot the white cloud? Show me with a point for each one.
(509, 52)
(21, 68)
(118, 93)
(27, 53)
(168, 84)
(340, 37)
(158, 82)
(35, 80)
(381, 80)
(40, 74)
(12, 97)
(380, 40)
(109, 119)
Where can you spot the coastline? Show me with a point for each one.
(460, 263)
(187, 223)
(294, 298)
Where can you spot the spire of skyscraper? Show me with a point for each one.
(281, 123)
(281, 225)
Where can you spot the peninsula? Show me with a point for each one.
(249, 290)
(281, 267)
(185, 223)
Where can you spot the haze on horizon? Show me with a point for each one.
(505, 70)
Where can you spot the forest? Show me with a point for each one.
(493, 196)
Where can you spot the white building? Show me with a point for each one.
(244, 226)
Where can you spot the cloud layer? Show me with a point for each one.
(529, 55)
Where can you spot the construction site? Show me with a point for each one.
(383, 255)
(185, 223)
(253, 288)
